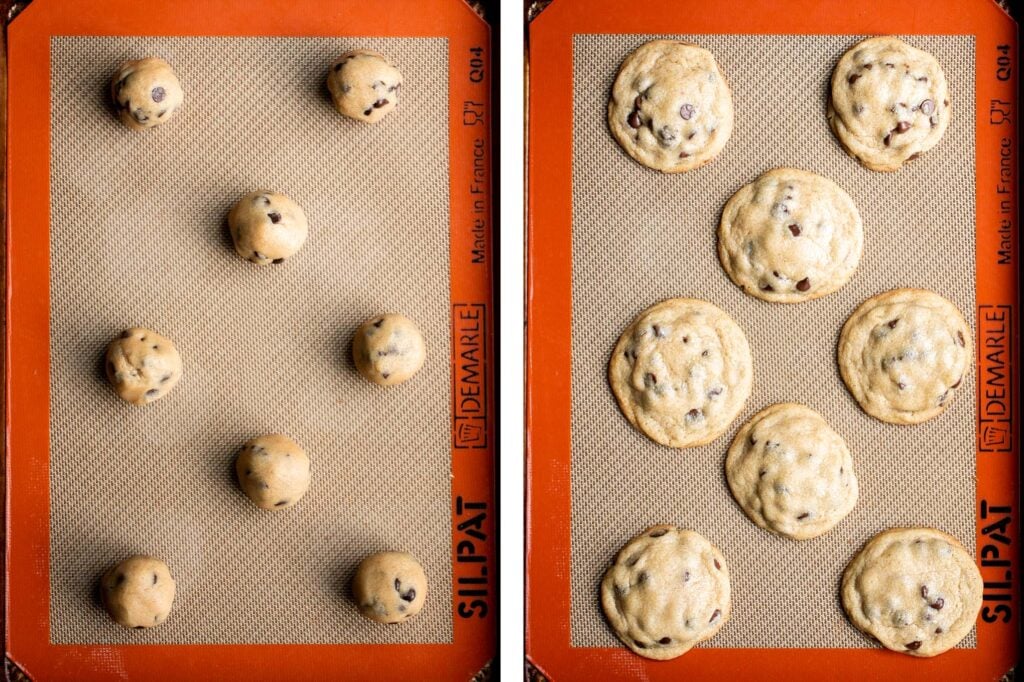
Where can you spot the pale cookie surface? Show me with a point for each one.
(388, 349)
(667, 590)
(273, 470)
(364, 85)
(790, 236)
(903, 354)
(671, 108)
(790, 472)
(889, 102)
(681, 372)
(267, 227)
(915, 590)
(390, 587)
(142, 365)
(138, 592)
(146, 92)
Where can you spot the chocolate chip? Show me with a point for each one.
(638, 101)
(686, 577)
(853, 78)
(639, 644)
(767, 287)
(686, 111)
(761, 473)
(893, 322)
(154, 578)
(795, 229)
(694, 414)
(281, 503)
(887, 139)
(368, 111)
(248, 472)
(634, 119)
(151, 392)
(657, 533)
(923, 79)
(657, 331)
(650, 379)
(869, 66)
(158, 94)
(631, 561)
(924, 591)
(409, 596)
(715, 615)
(704, 353)
(958, 382)
(803, 285)
(890, 65)
(938, 604)
(277, 261)
(803, 516)
(902, 127)
(716, 391)
(380, 103)
(379, 322)
(900, 385)
(120, 579)
(914, 646)
(385, 375)
(686, 339)
(718, 565)
(960, 338)
(337, 67)
(161, 113)
(927, 107)
(913, 156)
(642, 578)
(275, 217)
(139, 627)
(665, 640)
(934, 121)
(684, 155)
(691, 135)
(938, 631)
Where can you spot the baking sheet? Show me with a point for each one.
(138, 237)
(640, 236)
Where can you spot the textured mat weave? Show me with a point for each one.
(640, 236)
(138, 237)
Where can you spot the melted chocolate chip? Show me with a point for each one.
(767, 287)
(803, 516)
(960, 338)
(718, 565)
(658, 533)
(154, 578)
(378, 323)
(902, 127)
(715, 615)
(958, 382)
(281, 503)
(887, 139)
(914, 646)
(938, 604)
(275, 217)
(151, 393)
(158, 94)
(639, 644)
(337, 67)
(638, 101)
(694, 414)
(795, 229)
(665, 640)
(803, 285)
(368, 111)
(853, 78)
(686, 111)
(893, 322)
(277, 261)
(380, 103)
(409, 596)
(634, 120)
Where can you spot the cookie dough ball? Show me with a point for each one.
(914, 590)
(267, 227)
(667, 590)
(791, 473)
(142, 365)
(138, 592)
(388, 349)
(681, 372)
(790, 236)
(903, 354)
(390, 587)
(671, 107)
(889, 102)
(364, 85)
(273, 470)
(146, 92)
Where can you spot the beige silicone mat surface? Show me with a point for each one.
(640, 236)
(138, 236)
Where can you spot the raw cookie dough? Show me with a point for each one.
(138, 592)
(681, 372)
(145, 92)
(388, 349)
(667, 590)
(671, 108)
(790, 236)
(904, 353)
(273, 470)
(142, 365)
(267, 227)
(790, 472)
(889, 102)
(389, 587)
(364, 85)
(914, 590)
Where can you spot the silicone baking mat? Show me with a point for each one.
(641, 236)
(137, 237)
(610, 237)
(132, 232)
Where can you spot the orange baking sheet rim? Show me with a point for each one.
(549, 319)
(27, 350)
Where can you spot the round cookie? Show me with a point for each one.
(667, 590)
(142, 365)
(389, 587)
(671, 107)
(903, 354)
(790, 236)
(790, 472)
(273, 470)
(914, 590)
(681, 372)
(364, 85)
(889, 102)
(267, 227)
(138, 592)
(388, 349)
(145, 92)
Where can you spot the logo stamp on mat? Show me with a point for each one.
(469, 365)
(995, 382)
